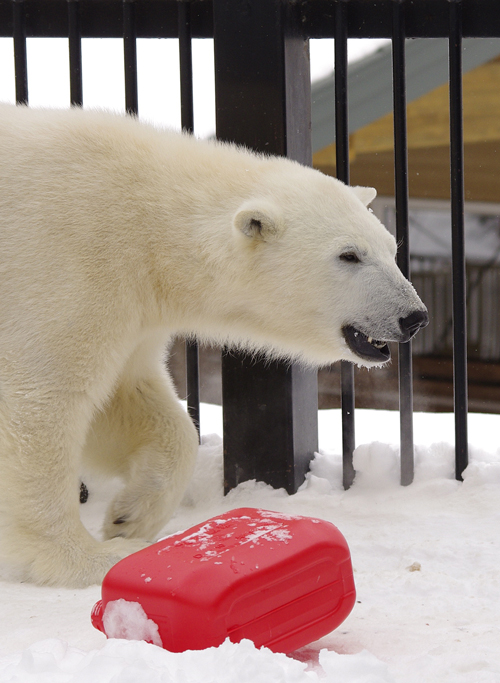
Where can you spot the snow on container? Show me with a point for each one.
(282, 581)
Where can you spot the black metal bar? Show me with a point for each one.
(342, 165)
(158, 18)
(425, 18)
(402, 233)
(186, 65)
(341, 106)
(20, 57)
(269, 408)
(458, 240)
(193, 382)
(75, 53)
(130, 56)
(187, 123)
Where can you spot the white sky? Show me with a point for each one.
(159, 99)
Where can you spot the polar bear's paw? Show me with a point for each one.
(126, 526)
(76, 567)
(141, 516)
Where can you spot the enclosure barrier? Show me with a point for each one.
(263, 101)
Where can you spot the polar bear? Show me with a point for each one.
(114, 237)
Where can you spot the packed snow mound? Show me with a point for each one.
(138, 662)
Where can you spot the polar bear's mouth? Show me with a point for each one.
(366, 347)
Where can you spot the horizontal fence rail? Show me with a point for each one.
(256, 447)
(316, 18)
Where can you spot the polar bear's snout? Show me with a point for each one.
(377, 350)
(412, 323)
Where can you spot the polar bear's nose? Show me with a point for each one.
(412, 323)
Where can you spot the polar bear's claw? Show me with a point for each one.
(120, 520)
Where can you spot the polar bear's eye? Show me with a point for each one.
(349, 257)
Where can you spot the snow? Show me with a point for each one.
(126, 619)
(426, 562)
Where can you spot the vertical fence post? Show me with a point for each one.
(263, 101)
(402, 233)
(130, 57)
(185, 65)
(20, 57)
(342, 166)
(187, 123)
(75, 53)
(458, 240)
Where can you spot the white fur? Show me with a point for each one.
(114, 237)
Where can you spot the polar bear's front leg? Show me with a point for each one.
(153, 444)
(41, 532)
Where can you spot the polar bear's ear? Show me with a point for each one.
(365, 194)
(259, 220)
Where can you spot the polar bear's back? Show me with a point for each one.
(69, 182)
(91, 202)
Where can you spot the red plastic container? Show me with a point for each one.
(281, 581)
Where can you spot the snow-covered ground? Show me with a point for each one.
(426, 560)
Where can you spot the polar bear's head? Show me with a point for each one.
(316, 273)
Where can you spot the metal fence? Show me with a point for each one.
(263, 101)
